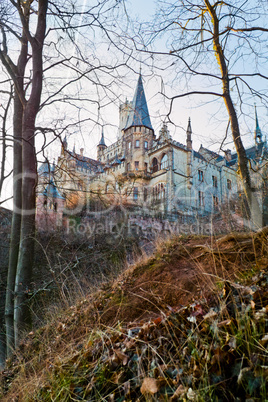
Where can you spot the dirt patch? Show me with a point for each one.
(182, 272)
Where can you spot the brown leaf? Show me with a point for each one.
(157, 320)
(149, 386)
(179, 392)
(122, 357)
(210, 315)
(224, 323)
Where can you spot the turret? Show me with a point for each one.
(101, 146)
(189, 135)
(64, 145)
(164, 133)
(124, 110)
(258, 133)
(139, 115)
(189, 154)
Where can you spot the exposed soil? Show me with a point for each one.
(183, 271)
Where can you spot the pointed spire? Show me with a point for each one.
(258, 133)
(102, 142)
(189, 135)
(64, 145)
(65, 142)
(53, 167)
(189, 128)
(139, 114)
(164, 132)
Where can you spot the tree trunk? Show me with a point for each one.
(254, 207)
(22, 312)
(17, 194)
(16, 225)
(22, 316)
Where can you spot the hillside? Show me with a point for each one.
(188, 323)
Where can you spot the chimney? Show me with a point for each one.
(81, 151)
(228, 155)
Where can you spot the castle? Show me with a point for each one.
(146, 173)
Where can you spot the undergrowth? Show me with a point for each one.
(213, 348)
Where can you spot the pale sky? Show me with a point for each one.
(208, 119)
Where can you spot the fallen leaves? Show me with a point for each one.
(149, 386)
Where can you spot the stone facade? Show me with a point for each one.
(151, 175)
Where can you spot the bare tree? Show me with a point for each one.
(41, 33)
(4, 140)
(216, 49)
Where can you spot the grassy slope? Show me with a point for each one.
(189, 323)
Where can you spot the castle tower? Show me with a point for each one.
(49, 202)
(139, 114)
(138, 133)
(189, 146)
(101, 146)
(124, 110)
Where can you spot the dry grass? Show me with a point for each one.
(192, 318)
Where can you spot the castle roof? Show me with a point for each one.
(102, 142)
(84, 162)
(51, 191)
(258, 133)
(44, 168)
(139, 114)
(189, 128)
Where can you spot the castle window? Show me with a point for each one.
(229, 184)
(163, 191)
(201, 198)
(137, 144)
(215, 202)
(128, 167)
(45, 204)
(214, 181)
(55, 207)
(135, 193)
(136, 165)
(145, 194)
(129, 145)
(155, 165)
(146, 167)
(146, 144)
(164, 162)
(200, 175)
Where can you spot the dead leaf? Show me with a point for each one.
(157, 320)
(224, 323)
(264, 340)
(179, 392)
(149, 386)
(121, 356)
(211, 314)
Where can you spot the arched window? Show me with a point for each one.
(45, 204)
(164, 162)
(135, 193)
(55, 207)
(155, 165)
